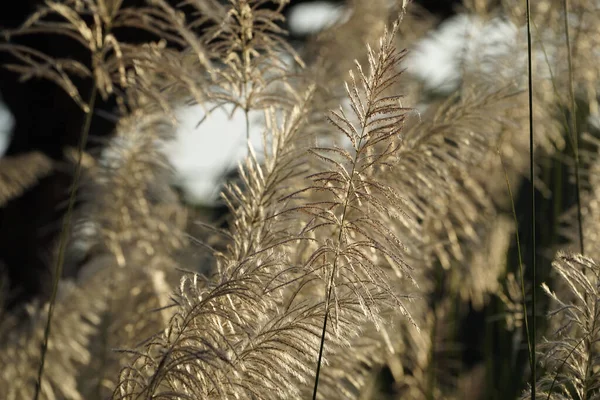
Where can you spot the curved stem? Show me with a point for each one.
(572, 127)
(58, 267)
(530, 344)
(533, 219)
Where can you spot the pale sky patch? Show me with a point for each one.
(202, 155)
(313, 17)
(7, 123)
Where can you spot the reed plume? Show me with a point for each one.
(223, 321)
(19, 173)
(357, 240)
(570, 354)
(276, 291)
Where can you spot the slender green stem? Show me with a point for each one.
(572, 128)
(533, 219)
(565, 118)
(58, 267)
(530, 344)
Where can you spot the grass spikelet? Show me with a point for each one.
(570, 355)
(354, 206)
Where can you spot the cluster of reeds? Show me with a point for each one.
(371, 250)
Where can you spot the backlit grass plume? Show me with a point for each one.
(570, 356)
(77, 311)
(259, 325)
(353, 206)
(364, 249)
(212, 346)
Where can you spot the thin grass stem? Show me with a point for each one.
(572, 128)
(533, 219)
(333, 270)
(530, 344)
(58, 267)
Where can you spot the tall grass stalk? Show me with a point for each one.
(64, 233)
(533, 219)
(530, 343)
(362, 135)
(572, 127)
